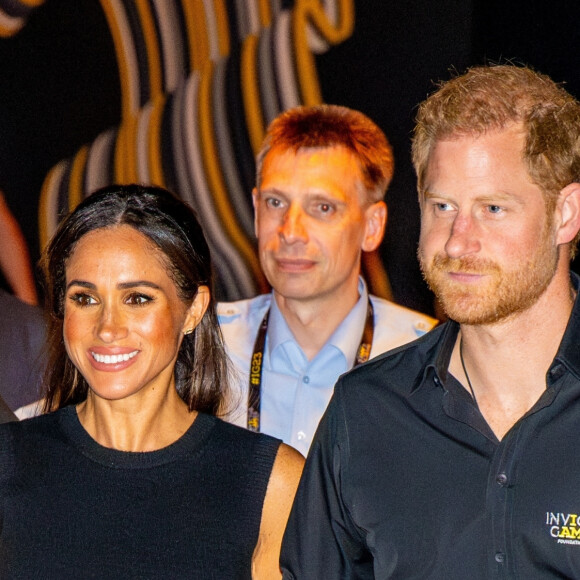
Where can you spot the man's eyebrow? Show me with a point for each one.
(501, 196)
(488, 197)
(431, 194)
(271, 190)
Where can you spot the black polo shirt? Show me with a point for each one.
(405, 479)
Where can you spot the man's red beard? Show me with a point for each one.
(501, 293)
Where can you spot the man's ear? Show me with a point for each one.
(375, 223)
(567, 213)
(255, 202)
(196, 310)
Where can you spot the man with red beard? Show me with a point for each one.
(456, 456)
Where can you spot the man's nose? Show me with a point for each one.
(293, 229)
(464, 236)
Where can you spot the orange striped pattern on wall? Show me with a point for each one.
(201, 80)
(14, 15)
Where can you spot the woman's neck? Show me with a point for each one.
(127, 425)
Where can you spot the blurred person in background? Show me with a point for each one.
(321, 178)
(22, 323)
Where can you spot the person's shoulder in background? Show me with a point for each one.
(6, 415)
(22, 355)
(396, 325)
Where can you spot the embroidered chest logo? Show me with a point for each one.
(564, 527)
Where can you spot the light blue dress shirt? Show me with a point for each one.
(296, 391)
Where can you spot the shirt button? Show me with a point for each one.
(301, 435)
(306, 379)
(500, 557)
(501, 479)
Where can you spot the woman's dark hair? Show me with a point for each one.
(201, 368)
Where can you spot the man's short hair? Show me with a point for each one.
(488, 98)
(323, 126)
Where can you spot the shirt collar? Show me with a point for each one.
(568, 352)
(278, 330)
(441, 341)
(346, 338)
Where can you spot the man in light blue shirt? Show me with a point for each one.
(322, 174)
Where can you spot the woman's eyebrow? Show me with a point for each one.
(121, 285)
(81, 283)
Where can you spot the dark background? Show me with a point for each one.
(60, 89)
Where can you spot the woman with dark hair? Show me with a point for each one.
(130, 474)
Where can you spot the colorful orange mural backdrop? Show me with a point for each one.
(200, 81)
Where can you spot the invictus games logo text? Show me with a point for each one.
(564, 527)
